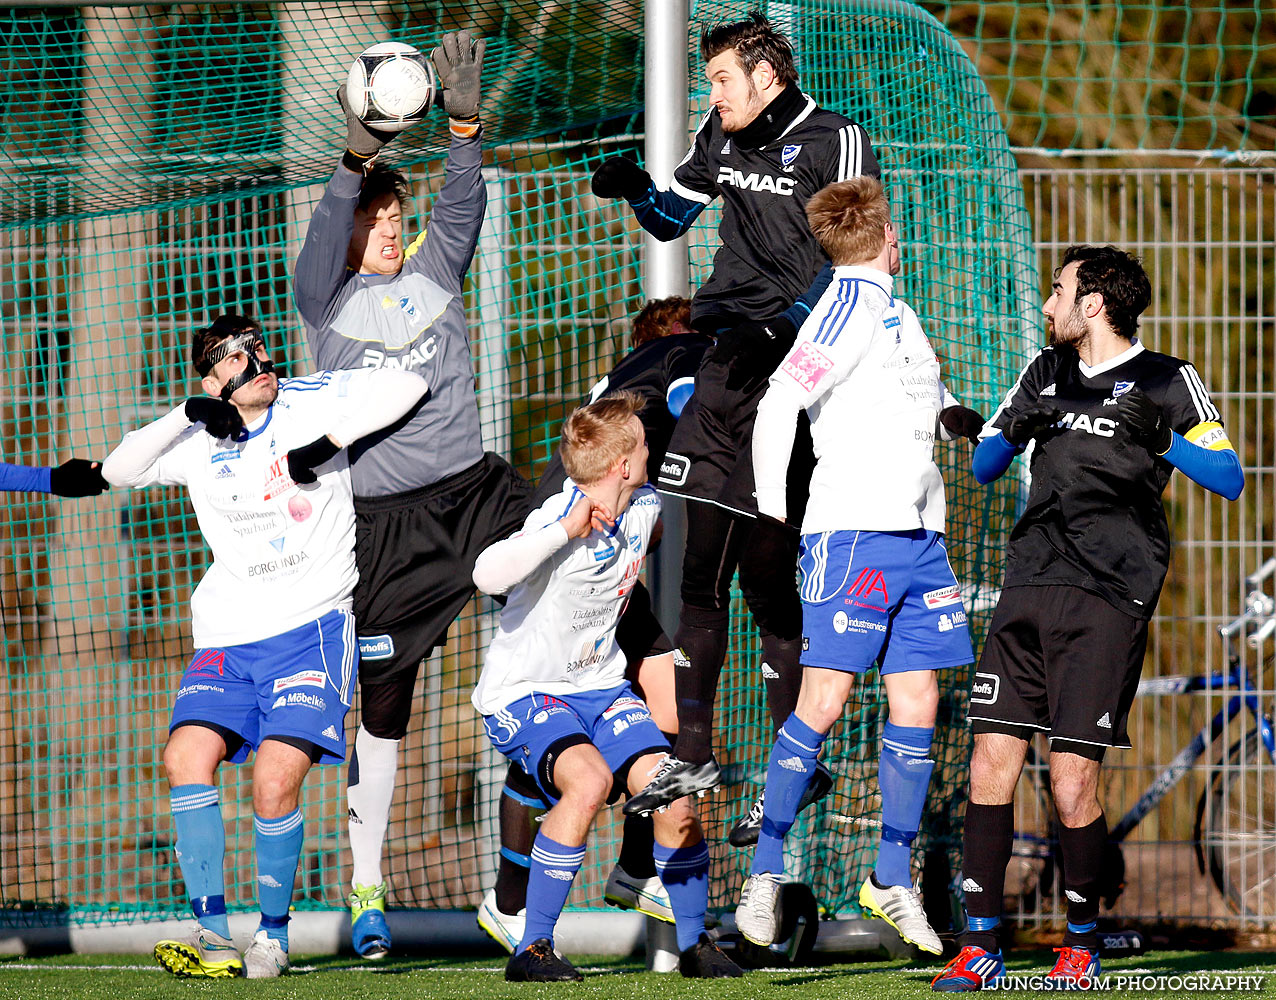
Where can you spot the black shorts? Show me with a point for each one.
(1061, 660)
(710, 456)
(416, 552)
(639, 633)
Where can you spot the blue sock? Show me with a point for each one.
(797, 746)
(684, 872)
(546, 892)
(201, 852)
(278, 853)
(903, 775)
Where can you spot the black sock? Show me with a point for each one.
(636, 847)
(695, 685)
(520, 807)
(783, 675)
(1082, 849)
(988, 841)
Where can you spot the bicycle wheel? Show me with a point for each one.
(1241, 835)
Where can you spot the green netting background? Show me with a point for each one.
(160, 164)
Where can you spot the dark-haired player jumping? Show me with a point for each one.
(764, 148)
(1111, 420)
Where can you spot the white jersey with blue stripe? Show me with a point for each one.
(557, 633)
(866, 374)
(283, 553)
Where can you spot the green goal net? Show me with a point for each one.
(160, 164)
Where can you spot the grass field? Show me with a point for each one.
(115, 977)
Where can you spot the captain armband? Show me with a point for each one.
(1210, 436)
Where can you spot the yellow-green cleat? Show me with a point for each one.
(369, 933)
(201, 954)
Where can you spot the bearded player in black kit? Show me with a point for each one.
(764, 148)
(1111, 421)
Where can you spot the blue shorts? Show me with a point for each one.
(616, 721)
(888, 597)
(297, 684)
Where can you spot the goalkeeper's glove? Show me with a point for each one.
(752, 351)
(962, 421)
(77, 477)
(1029, 424)
(219, 417)
(1146, 421)
(362, 141)
(458, 61)
(620, 177)
(303, 461)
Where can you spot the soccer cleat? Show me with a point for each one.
(202, 953)
(265, 958)
(901, 907)
(1076, 969)
(972, 969)
(745, 833)
(705, 960)
(758, 913)
(369, 933)
(672, 779)
(504, 928)
(537, 963)
(646, 895)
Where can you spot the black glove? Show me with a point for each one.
(362, 141)
(303, 461)
(459, 63)
(961, 421)
(752, 351)
(1146, 421)
(1029, 424)
(77, 477)
(219, 418)
(620, 177)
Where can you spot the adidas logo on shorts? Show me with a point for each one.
(769, 672)
(793, 764)
(330, 733)
(1105, 722)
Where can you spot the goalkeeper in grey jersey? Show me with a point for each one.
(427, 498)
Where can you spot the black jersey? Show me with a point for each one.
(651, 371)
(1094, 517)
(768, 256)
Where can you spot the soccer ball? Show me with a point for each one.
(390, 86)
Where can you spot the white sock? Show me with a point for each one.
(369, 801)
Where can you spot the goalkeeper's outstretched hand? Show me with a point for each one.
(458, 60)
(620, 177)
(362, 140)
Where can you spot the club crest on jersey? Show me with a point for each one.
(787, 155)
(405, 305)
(1120, 388)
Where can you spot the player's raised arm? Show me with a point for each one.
(666, 214)
(456, 216)
(137, 460)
